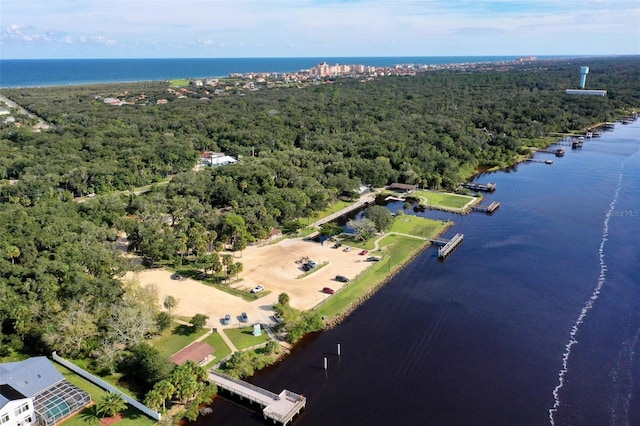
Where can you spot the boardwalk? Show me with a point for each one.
(281, 408)
(364, 200)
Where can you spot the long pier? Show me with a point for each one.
(280, 408)
(487, 187)
(449, 245)
(487, 208)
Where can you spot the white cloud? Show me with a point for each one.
(320, 28)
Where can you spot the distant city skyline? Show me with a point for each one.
(38, 29)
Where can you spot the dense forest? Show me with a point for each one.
(300, 149)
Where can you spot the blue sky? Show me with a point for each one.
(315, 28)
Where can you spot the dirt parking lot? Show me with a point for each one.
(277, 267)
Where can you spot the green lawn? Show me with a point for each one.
(222, 350)
(444, 200)
(180, 82)
(174, 339)
(132, 417)
(244, 338)
(404, 224)
(95, 391)
(418, 226)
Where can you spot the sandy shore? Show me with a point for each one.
(276, 266)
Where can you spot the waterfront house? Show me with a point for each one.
(34, 392)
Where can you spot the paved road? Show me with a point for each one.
(42, 125)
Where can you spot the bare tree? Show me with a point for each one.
(364, 228)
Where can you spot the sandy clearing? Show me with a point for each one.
(273, 266)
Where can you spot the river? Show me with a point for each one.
(534, 320)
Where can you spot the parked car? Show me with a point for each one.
(312, 264)
(364, 252)
(373, 258)
(347, 248)
(226, 320)
(328, 290)
(277, 318)
(306, 267)
(244, 317)
(257, 289)
(175, 276)
(337, 245)
(342, 278)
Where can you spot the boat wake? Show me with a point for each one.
(622, 376)
(589, 303)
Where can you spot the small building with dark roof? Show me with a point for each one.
(403, 187)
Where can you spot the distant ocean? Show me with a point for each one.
(61, 72)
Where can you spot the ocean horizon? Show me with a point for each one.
(62, 72)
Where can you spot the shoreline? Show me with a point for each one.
(371, 291)
(300, 64)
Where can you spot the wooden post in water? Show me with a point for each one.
(325, 367)
(338, 352)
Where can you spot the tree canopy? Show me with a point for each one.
(61, 267)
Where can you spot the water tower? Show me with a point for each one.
(583, 76)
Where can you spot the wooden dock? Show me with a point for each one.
(450, 246)
(628, 119)
(487, 187)
(559, 152)
(487, 208)
(280, 408)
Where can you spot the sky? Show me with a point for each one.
(51, 29)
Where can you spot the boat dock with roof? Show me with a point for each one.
(487, 187)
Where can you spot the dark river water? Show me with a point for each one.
(534, 320)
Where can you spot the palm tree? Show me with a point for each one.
(166, 390)
(110, 404)
(154, 400)
(13, 253)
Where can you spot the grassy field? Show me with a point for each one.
(175, 339)
(418, 226)
(132, 417)
(180, 82)
(216, 342)
(395, 251)
(443, 200)
(244, 338)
